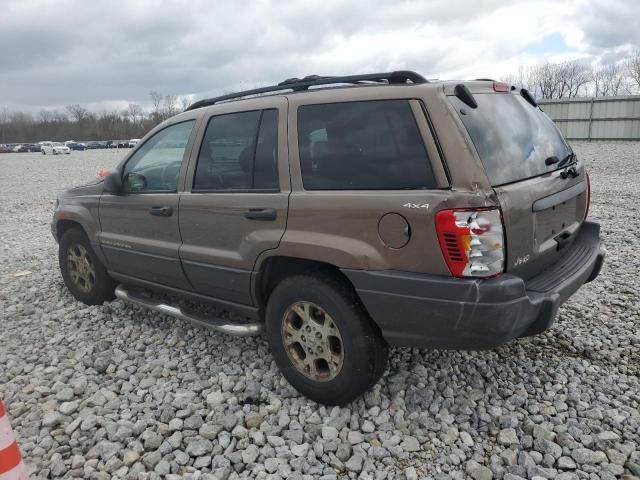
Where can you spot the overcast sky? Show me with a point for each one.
(110, 53)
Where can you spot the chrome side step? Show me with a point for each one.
(237, 329)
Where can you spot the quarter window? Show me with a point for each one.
(239, 152)
(372, 145)
(156, 165)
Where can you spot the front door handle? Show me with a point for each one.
(161, 211)
(261, 214)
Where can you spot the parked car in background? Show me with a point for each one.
(76, 146)
(96, 145)
(26, 147)
(54, 148)
(133, 142)
(5, 149)
(112, 144)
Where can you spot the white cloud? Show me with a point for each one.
(74, 51)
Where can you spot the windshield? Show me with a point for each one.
(512, 137)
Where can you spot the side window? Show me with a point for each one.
(156, 165)
(239, 152)
(372, 145)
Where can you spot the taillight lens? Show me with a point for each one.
(472, 241)
(586, 212)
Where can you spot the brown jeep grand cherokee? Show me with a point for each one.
(344, 214)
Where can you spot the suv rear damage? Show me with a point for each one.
(344, 215)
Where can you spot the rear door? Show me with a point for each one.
(367, 181)
(140, 235)
(236, 199)
(526, 160)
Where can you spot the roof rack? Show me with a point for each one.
(300, 84)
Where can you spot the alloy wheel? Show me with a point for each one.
(312, 341)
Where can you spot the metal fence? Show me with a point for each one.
(602, 118)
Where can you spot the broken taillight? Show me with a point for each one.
(472, 241)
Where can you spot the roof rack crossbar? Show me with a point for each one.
(296, 84)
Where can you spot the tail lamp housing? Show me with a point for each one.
(472, 241)
(586, 211)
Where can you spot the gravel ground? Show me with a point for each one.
(117, 392)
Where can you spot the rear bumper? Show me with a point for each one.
(420, 310)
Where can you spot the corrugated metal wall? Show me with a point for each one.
(602, 118)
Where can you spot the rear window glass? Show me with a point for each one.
(372, 145)
(512, 138)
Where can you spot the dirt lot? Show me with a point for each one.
(117, 392)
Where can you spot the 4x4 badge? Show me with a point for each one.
(416, 205)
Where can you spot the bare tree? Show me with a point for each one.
(573, 77)
(76, 112)
(557, 80)
(633, 69)
(134, 112)
(4, 118)
(169, 108)
(156, 101)
(185, 101)
(609, 80)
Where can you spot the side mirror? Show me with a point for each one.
(113, 182)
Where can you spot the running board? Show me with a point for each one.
(237, 329)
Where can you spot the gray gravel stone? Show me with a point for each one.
(586, 456)
(128, 377)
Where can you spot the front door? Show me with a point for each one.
(236, 205)
(140, 234)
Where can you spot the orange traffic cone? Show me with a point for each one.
(11, 466)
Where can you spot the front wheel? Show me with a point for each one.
(43, 152)
(322, 338)
(83, 273)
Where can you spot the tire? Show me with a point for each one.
(72, 245)
(358, 340)
(43, 152)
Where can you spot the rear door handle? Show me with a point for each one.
(161, 211)
(261, 214)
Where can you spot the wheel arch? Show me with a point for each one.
(64, 225)
(272, 270)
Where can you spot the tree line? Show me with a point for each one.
(75, 122)
(577, 78)
(569, 79)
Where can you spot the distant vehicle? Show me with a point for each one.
(54, 148)
(76, 146)
(133, 142)
(96, 145)
(21, 147)
(5, 149)
(112, 144)
(122, 143)
(27, 147)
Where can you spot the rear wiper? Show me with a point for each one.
(570, 170)
(569, 158)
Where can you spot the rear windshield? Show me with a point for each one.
(512, 137)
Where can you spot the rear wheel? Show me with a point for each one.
(322, 338)
(83, 273)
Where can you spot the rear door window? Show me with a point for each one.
(239, 152)
(512, 137)
(371, 145)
